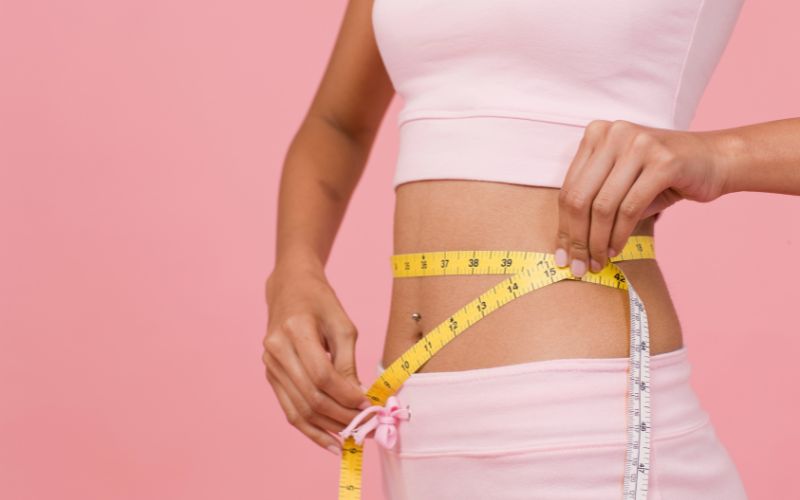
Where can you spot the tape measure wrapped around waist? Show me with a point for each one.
(527, 271)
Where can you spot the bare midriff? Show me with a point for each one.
(568, 319)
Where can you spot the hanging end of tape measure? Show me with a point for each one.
(350, 470)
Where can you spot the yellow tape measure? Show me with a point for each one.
(529, 271)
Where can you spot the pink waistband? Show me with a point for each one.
(540, 404)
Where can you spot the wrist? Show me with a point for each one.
(729, 159)
(296, 264)
(300, 256)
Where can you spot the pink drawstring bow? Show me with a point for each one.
(384, 423)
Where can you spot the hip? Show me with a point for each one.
(552, 429)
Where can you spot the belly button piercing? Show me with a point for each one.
(416, 316)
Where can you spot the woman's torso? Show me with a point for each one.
(496, 98)
(567, 319)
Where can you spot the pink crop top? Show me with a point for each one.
(501, 90)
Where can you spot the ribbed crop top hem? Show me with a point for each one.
(489, 148)
(492, 144)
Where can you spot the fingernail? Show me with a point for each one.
(578, 267)
(561, 257)
(611, 252)
(364, 405)
(596, 266)
(335, 450)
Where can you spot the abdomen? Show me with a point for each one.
(567, 319)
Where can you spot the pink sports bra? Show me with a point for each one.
(501, 90)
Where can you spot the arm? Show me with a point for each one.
(761, 157)
(327, 156)
(323, 164)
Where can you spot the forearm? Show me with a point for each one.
(322, 167)
(762, 157)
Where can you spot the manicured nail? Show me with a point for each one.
(335, 450)
(611, 252)
(364, 405)
(578, 267)
(596, 266)
(561, 257)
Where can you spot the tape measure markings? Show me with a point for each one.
(522, 281)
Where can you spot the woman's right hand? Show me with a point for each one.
(318, 393)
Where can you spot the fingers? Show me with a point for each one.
(585, 148)
(644, 190)
(298, 419)
(320, 394)
(319, 367)
(579, 204)
(581, 185)
(620, 173)
(342, 336)
(323, 390)
(299, 402)
(606, 205)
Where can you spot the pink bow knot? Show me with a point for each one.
(384, 423)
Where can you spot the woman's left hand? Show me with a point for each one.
(624, 172)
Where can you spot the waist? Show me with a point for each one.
(566, 319)
(450, 214)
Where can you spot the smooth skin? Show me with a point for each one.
(621, 173)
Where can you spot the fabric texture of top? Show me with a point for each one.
(501, 90)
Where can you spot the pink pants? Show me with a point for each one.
(552, 430)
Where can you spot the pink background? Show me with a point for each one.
(141, 144)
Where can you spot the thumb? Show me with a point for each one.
(342, 341)
(343, 349)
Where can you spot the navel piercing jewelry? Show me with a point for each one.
(416, 316)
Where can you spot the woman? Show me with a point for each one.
(555, 127)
